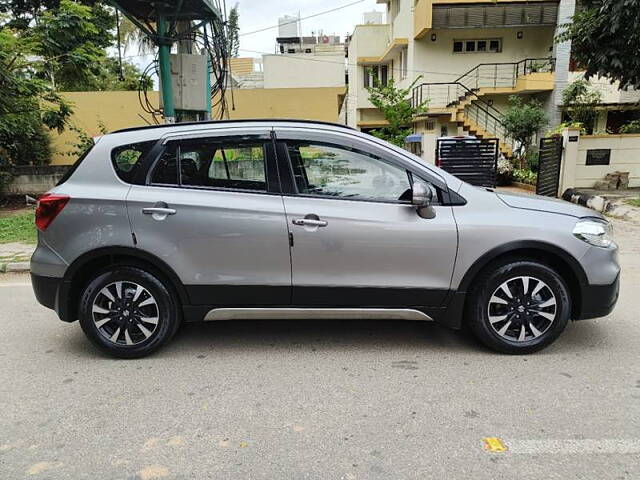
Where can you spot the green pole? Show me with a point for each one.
(164, 47)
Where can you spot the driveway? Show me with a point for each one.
(321, 400)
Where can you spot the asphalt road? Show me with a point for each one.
(320, 400)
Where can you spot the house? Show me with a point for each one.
(468, 57)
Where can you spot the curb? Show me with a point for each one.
(15, 267)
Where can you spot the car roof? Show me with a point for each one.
(234, 122)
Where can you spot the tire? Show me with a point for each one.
(532, 318)
(128, 312)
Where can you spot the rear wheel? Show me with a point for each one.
(127, 312)
(519, 307)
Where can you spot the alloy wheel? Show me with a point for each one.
(125, 313)
(522, 309)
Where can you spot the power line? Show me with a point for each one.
(309, 59)
(302, 18)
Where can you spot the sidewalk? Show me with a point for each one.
(14, 257)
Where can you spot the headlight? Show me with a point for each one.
(595, 232)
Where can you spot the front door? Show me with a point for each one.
(357, 240)
(211, 210)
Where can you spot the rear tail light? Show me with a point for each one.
(47, 209)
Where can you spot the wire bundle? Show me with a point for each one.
(211, 39)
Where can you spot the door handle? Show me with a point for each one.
(159, 210)
(309, 222)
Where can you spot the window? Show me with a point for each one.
(332, 171)
(126, 157)
(403, 63)
(381, 72)
(213, 163)
(478, 46)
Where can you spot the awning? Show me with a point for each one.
(414, 138)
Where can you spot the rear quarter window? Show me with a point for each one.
(126, 159)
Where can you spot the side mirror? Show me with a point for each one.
(422, 195)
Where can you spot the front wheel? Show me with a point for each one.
(127, 312)
(519, 307)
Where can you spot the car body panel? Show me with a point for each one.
(233, 248)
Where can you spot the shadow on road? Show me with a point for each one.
(242, 337)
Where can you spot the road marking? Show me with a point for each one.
(494, 445)
(612, 446)
(15, 284)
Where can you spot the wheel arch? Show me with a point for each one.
(557, 258)
(82, 269)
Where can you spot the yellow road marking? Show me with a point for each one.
(494, 444)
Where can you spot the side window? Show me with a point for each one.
(213, 163)
(126, 157)
(334, 171)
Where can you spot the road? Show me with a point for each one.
(321, 400)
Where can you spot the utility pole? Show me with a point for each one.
(188, 17)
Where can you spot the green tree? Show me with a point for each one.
(395, 105)
(522, 120)
(233, 31)
(579, 101)
(605, 36)
(71, 41)
(28, 107)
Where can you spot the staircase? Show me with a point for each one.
(462, 98)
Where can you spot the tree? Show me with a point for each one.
(395, 105)
(522, 120)
(233, 29)
(28, 106)
(72, 42)
(579, 100)
(605, 36)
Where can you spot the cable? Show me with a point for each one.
(302, 18)
(309, 59)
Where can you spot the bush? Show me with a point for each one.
(524, 175)
(631, 127)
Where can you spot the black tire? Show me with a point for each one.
(483, 304)
(164, 303)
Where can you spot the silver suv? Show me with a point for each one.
(157, 226)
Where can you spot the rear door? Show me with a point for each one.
(357, 239)
(211, 209)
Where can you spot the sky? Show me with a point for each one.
(258, 14)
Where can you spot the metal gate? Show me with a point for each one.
(549, 166)
(472, 160)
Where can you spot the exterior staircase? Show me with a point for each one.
(462, 99)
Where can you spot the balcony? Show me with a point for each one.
(440, 14)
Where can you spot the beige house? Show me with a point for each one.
(469, 56)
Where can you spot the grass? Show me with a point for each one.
(18, 228)
(635, 202)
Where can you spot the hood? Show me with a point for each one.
(545, 204)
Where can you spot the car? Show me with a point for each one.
(283, 219)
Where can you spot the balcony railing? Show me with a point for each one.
(495, 15)
(501, 75)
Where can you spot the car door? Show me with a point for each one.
(357, 239)
(211, 209)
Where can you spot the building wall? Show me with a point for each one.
(118, 110)
(440, 64)
(611, 92)
(625, 157)
(367, 41)
(303, 71)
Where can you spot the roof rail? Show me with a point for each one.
(245, 120)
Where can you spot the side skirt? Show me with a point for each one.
(316, 313)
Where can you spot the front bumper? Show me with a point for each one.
(598, 300)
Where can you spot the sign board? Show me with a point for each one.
(599, 157)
